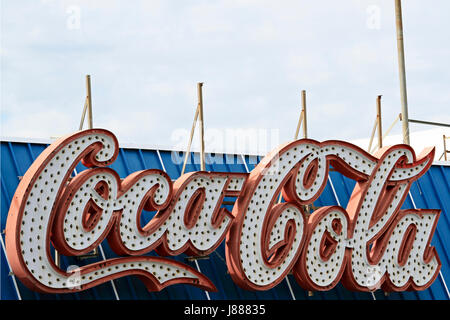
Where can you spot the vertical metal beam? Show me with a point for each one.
(380, 131)
(202, 131)
(402, 72)
(89, 101)
(305, 122)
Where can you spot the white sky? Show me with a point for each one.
(254, 56)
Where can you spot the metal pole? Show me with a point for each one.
(380, 131)
(19, 296)
(305, 126)
(83, 115)
(202, 140)
(87, 108)
(300, 120)
(392, 125)
(57, 259)
(372, 135)
(89, 101)
(90, 119)
(402, 73)
(188, 151)
(445, 149)
(439, 124)
(388, 130)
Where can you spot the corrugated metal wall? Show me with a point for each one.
(431, 191)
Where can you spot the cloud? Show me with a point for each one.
(254, 57)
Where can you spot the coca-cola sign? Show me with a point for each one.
(370, 244)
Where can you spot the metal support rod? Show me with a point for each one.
(87, 108)
(202, 131)
(198, 113)
(402, 72)
(83, 115)
(297, 130)
(300, 120)
(89, 101)
(188, 151)
(445, 148)
(372, 135)
(439, 124)
(392, 125)
(57, 259)
(194, 258)
(305, 123)
(90, 125)
(113, 285)
(388, 130)
(305, 128)
(13, 277)
(380, 131)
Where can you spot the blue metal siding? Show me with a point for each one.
(431, 191)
